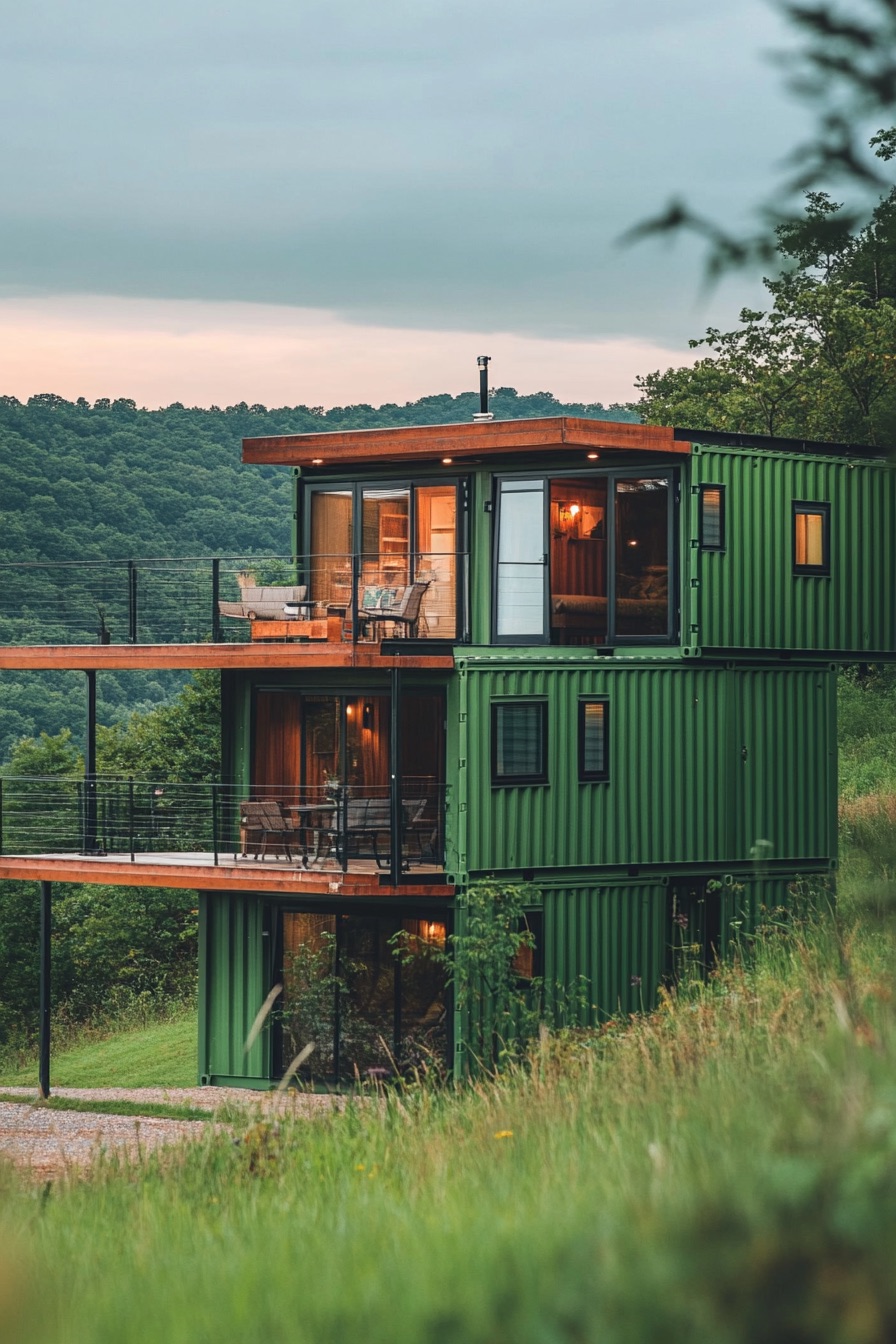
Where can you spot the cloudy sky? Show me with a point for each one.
(348, 201)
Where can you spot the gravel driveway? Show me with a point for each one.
(46, 1144)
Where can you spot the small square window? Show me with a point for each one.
(594, 739)
(712, 518)
(519, 742)
(811, 538)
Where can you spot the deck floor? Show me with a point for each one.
(231, 872)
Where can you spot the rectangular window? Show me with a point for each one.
(519, 742)
(811, 538)
(712, 517)
(529, 960)
(594, 739)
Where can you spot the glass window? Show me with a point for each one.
(712, 517)
(811, 538)
(594, 735)
(521, 560)
(642, 557)
(519, 742)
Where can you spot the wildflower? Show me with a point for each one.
(635, 982)
(504, 1134)
(360, 1167)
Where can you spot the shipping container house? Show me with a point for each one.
(595, 657)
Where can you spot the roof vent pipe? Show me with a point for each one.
(483, 413)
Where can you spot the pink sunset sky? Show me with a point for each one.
(205, 353)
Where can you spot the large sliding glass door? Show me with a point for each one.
(585, 559)
(369, 544)
(368, 1012)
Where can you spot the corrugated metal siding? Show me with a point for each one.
(234, 987)
(605, 949)
(679, 791)
(748, 596)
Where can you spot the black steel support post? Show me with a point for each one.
(46, 914)
(214, 789)
(88, 820)
(132, 602)
(216, 589)
(395, 809)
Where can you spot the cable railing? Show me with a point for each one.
(234, 599)
(319, 827)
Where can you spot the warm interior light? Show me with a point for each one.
(317, 461)
(574, 509)
(632, 542)
(349, 711)
(447, 461)
(592, 457)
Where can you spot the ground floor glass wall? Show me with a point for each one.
(370, 1013)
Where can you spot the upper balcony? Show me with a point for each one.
(337, 610)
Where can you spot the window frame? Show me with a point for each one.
(722, 543)
(511, 781)
(803, 507)
(593, 776)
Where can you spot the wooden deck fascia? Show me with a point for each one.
(226, 875)
(124, 657)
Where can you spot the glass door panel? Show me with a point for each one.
(330, 572)
(435, 546)
(308, 1005)
(521, 561)
(578, 523)
(642, 557)
(368, 970)
(385, 546)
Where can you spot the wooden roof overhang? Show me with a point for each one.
(431, 444)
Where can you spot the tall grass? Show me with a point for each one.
(722, 1170)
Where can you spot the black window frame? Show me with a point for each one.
(594, 776)
(802, 507)
(721, 544)
(511, 781)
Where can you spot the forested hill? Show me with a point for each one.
(111, 481)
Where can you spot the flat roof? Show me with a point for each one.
(476, 440)
(461, 442)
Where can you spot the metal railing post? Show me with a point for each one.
(132, 602)
(131, 818)
(46, 931)
(215, 788)
(216, 589)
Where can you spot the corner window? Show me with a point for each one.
(594, 739)
(811, 538)
(712, 518)
(519, 742)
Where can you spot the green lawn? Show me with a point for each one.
(160, 1055)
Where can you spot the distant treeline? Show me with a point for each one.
(107, 480)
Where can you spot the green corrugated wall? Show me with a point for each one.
(704, 762)
(233, 986)
(748, 596)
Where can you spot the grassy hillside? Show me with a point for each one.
(720, 1172)
(160, 1055)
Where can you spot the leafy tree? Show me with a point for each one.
(845, 70)
(821, 362)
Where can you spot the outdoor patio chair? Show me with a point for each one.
(405, 613)
(263, 824)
